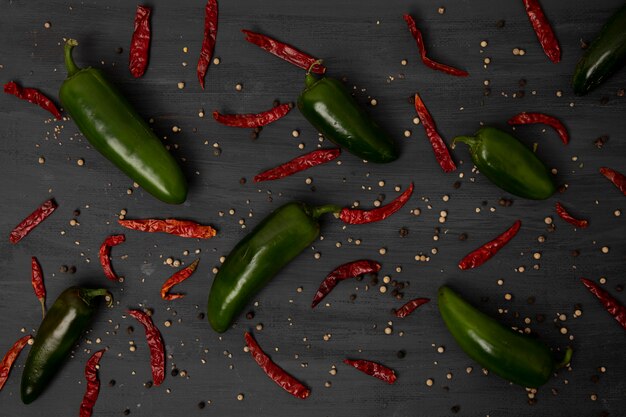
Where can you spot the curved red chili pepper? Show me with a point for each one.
(301, 163)
(182, 228)
(253, 120)
(612, 305)
(410, 307)
(618, 179)
(533, 118)
(544, 31)
(93, 384)
(436, 141)
(140, 42)
(489, 249)
(29, 223)
(374, 369)
(356, 216)
(105, 255)
(560, 210)
(38, 285)
(175, 279)
(155, 343)
(345, 271)
(9, 358)
(34, 96)
(209, 39)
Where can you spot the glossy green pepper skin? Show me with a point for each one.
(509, 164)
(327, 104)
(57, 335)
(514, 356)
(115, 129)
(258, 257)
(605, 55)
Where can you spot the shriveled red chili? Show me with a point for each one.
(176, 279)
(489, 249)
(544, 31)
(285, 52)
(155, 343)
(525, 118)
(105, 255)
(356, 216)
(38, 285)
(140, 42)
(275, 372)
(417, 35)
(34, 96)
(374, 369)
(611, 304)
(93, 384)
(442, 154)
(410, 307)
(618, 179)
(301, 163)
(564, 214)
(345, 271)
(29, 223)
(9, 358)
(209, 39)
(253, 120)
(183, 228)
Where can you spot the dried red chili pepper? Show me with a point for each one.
(618, 179)
(439, 146)
(417, 35)
(140, 43)
(155, 343)
(345, 271)
(34, 96)
(410, 307)
(286, 52)
(38, 285)
(93, 384)
(542, 28)
(175, 279)
(105, 255)
(253, 120)
(489, 249)
(9, 358)
(29, 223)
(208, 41)
(533, 118)
(612, 305)
(183, 228)
(374, 369)
(356, 216)
(301, 163)
(560, 210)
(275, 372)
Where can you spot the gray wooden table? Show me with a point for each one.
(365, 42)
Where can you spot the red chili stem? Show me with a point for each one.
(155, 343)
(105, 255)
(374, 369)
(34, 96)
(38, 284)
(410, 307)
(489, 249)
(93, 384)
(542, 28)
(356, 216)
(175, 279)
(29, 223)
(533, 118)
(301, 163)
(345, 271)
(182, 228)
(208, 40)
(436, 141)
(140, 42)
(285, 52)
(611, 304)
(275, 372)
(417, 35)
(563, 213)
(618, 179)
(9, 358)
(253, 120)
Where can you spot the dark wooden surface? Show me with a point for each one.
(365, 42)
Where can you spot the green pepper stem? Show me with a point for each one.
(469, 140)
(316, 212)
(87, 295)
(567, 357)
(69, 61)
(317, 62)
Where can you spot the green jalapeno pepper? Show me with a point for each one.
(514, 356)
(115, 129)
(58, 333)
(605, 55)
(509, 164)
(328, 105)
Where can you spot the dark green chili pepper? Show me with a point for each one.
(514, 356)
(115, 129)
(328, 105)
(58, 333)
(509, 164)
(605, 55)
